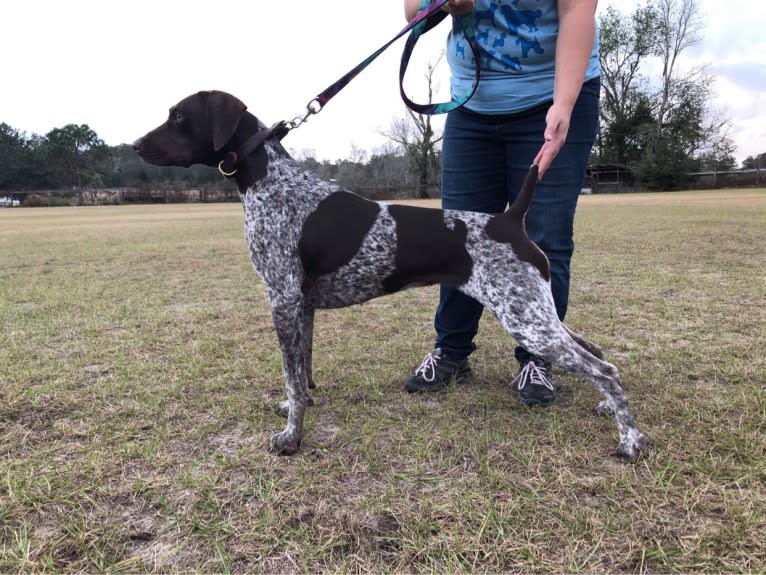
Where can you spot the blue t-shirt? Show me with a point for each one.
(517, 41)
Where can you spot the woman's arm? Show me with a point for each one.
(577, 32)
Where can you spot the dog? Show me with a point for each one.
(317, 246)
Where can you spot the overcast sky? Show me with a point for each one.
(119, 66)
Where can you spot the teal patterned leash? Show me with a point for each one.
(467, 24)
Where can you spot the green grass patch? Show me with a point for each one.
(139, 373)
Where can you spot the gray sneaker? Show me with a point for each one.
(534, 382)
(436, 372)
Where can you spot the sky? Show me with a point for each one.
(119, 66)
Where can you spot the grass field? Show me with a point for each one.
(139, 374)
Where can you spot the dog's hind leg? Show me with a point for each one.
(537, 328)
(570, 355)
(589, 345)
(288, 316)
(605, 378)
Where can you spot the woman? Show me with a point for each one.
(537, 102)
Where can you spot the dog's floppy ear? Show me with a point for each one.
(225, 111)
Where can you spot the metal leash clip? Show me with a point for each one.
(313, 107)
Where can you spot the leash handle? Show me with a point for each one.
(467, 24)
(420, 20)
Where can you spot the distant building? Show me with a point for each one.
(609, 178)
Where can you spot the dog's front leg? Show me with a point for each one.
(287, 313)
(283, 408)
(308, 345)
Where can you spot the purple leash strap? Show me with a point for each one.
(427, 17)
(424, 14)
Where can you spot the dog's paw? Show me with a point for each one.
(284, 444)
(633, 447)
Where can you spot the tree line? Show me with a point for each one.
(660, 127)
(74, 157)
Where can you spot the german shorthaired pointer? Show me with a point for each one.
(317, 246)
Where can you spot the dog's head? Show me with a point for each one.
(197, 129)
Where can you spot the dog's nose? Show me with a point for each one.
(137, 144)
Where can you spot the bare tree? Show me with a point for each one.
(679, 27)
(663, 128)
(626, 42)
(358, 155)
(416, 135)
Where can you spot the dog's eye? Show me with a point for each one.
(177, 116)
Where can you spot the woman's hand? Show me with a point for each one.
(455, 7)
(459, 7)
(556, 129)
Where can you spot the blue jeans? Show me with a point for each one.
(484, 161)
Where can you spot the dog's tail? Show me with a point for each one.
(520, 205)
(509, 226)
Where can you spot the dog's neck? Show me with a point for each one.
(252, 167)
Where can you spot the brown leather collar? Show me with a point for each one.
(228, 166)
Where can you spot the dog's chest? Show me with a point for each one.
(273, 225)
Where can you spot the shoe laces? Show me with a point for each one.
(427, 369)
(534, 374)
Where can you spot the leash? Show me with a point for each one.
(428, 16)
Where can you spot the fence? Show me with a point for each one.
(114, 196)
(733, 179)
(599, 180)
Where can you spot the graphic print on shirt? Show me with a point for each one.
(516, 57)
(508, 33)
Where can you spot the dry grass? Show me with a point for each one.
(139, 370)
